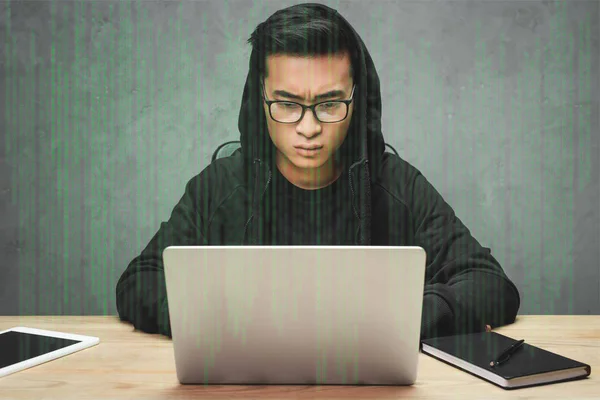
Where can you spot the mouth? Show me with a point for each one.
(308, 151)
(308, 147)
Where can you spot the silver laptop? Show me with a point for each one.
(301, 315)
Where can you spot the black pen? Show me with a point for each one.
(505, 355)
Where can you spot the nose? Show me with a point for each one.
(308, 126)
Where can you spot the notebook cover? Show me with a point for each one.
(482, 347)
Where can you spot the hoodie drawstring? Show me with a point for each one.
(364, 218)
(254, 207)
(251, 236)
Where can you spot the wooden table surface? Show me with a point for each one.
(127, 364)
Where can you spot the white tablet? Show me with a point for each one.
(22, 348)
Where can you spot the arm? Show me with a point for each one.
(141, 290)
(465, 287)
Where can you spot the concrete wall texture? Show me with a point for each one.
(108, 108)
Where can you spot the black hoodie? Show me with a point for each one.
(393, 202)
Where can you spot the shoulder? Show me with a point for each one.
(396, 177)
(218, 180)
(405, 182)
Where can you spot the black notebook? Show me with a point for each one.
(528, 366)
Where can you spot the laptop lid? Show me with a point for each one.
(295, 314)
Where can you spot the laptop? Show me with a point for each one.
(299, 315)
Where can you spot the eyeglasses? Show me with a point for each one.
(289, 112)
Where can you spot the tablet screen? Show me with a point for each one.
(18, 346)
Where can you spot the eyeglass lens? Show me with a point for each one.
(333, 111)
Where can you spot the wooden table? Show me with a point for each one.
(134, 365)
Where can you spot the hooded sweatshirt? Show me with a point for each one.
(390, 203)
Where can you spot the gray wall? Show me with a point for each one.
(108, 108)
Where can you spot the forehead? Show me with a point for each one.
(300, 73)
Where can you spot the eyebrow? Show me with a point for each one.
(329, 95)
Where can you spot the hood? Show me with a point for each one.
(362, 149)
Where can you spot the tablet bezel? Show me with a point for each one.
(84, 343)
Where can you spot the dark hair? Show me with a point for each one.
(303, 30)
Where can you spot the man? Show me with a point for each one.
(312, 170)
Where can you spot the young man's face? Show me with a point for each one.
(307, 78)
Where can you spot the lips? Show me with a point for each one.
(312, 147)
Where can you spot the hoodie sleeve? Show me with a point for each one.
(465, 286)
(141, 290)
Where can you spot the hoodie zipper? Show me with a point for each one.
(352, 191)
(356, 235)
(261, 197)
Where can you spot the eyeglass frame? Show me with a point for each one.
(304, 107)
